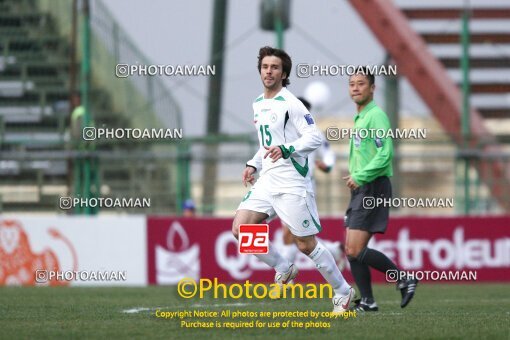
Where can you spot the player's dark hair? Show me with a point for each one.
(268, 51)
(306, 103)
(364, 70)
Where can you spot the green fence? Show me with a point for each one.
(37, 80)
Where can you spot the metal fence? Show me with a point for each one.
(37, 154)
(37, 79)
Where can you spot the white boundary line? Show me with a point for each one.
(196, 305)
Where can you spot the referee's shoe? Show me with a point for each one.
(407, 288)
(363, 305)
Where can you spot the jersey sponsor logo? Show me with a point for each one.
(253, 239)
(273, 118)
(309, 119)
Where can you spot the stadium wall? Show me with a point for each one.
(163, 250)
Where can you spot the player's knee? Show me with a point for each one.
(235, 232)
(238, 220)
(352, 252)
(306, 246)
(235, 229)
(288, 238)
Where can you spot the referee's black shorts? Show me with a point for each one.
(360, 216)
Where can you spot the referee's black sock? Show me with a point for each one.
(361, 273)
(376, 259)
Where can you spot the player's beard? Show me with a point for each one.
(273, 86)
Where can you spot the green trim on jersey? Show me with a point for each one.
(317, 225)
(246, 196)
(370, 157)
(303, 170)
(286, 152)
(259, 99)
(280, 98)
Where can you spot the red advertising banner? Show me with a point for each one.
(205, 248)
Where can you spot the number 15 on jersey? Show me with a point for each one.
(265, 135)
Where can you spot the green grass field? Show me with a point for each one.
(437, 311)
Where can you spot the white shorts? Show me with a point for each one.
(299, 213)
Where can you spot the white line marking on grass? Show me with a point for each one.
(134, 310)
(141, 309)
(477, 300)
(222, 304)
(196, 305)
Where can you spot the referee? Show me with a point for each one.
(370, 166)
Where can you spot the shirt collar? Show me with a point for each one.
(276, 95)
(367, 108)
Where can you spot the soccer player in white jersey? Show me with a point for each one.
(322, 158)
(287, 134)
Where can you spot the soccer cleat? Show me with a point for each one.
(285, 278)
(407, 289)
(341, 303)
(362, 306)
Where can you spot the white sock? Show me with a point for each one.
(333, 247)
(326, 265)
(274, 260)
(289, 251)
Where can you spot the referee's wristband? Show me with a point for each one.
(251, 166)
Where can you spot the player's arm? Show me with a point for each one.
(255, 164)
(383, 157)
(326, 157)
(248, 175)
(310, 136)
(252, 166)
(256, 161)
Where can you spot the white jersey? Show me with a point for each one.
(323, 153)
(284, 121)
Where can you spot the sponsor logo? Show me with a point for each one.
(253, 239)
(20, 265)
(446, 253)
(453, 252)
(175, 263)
